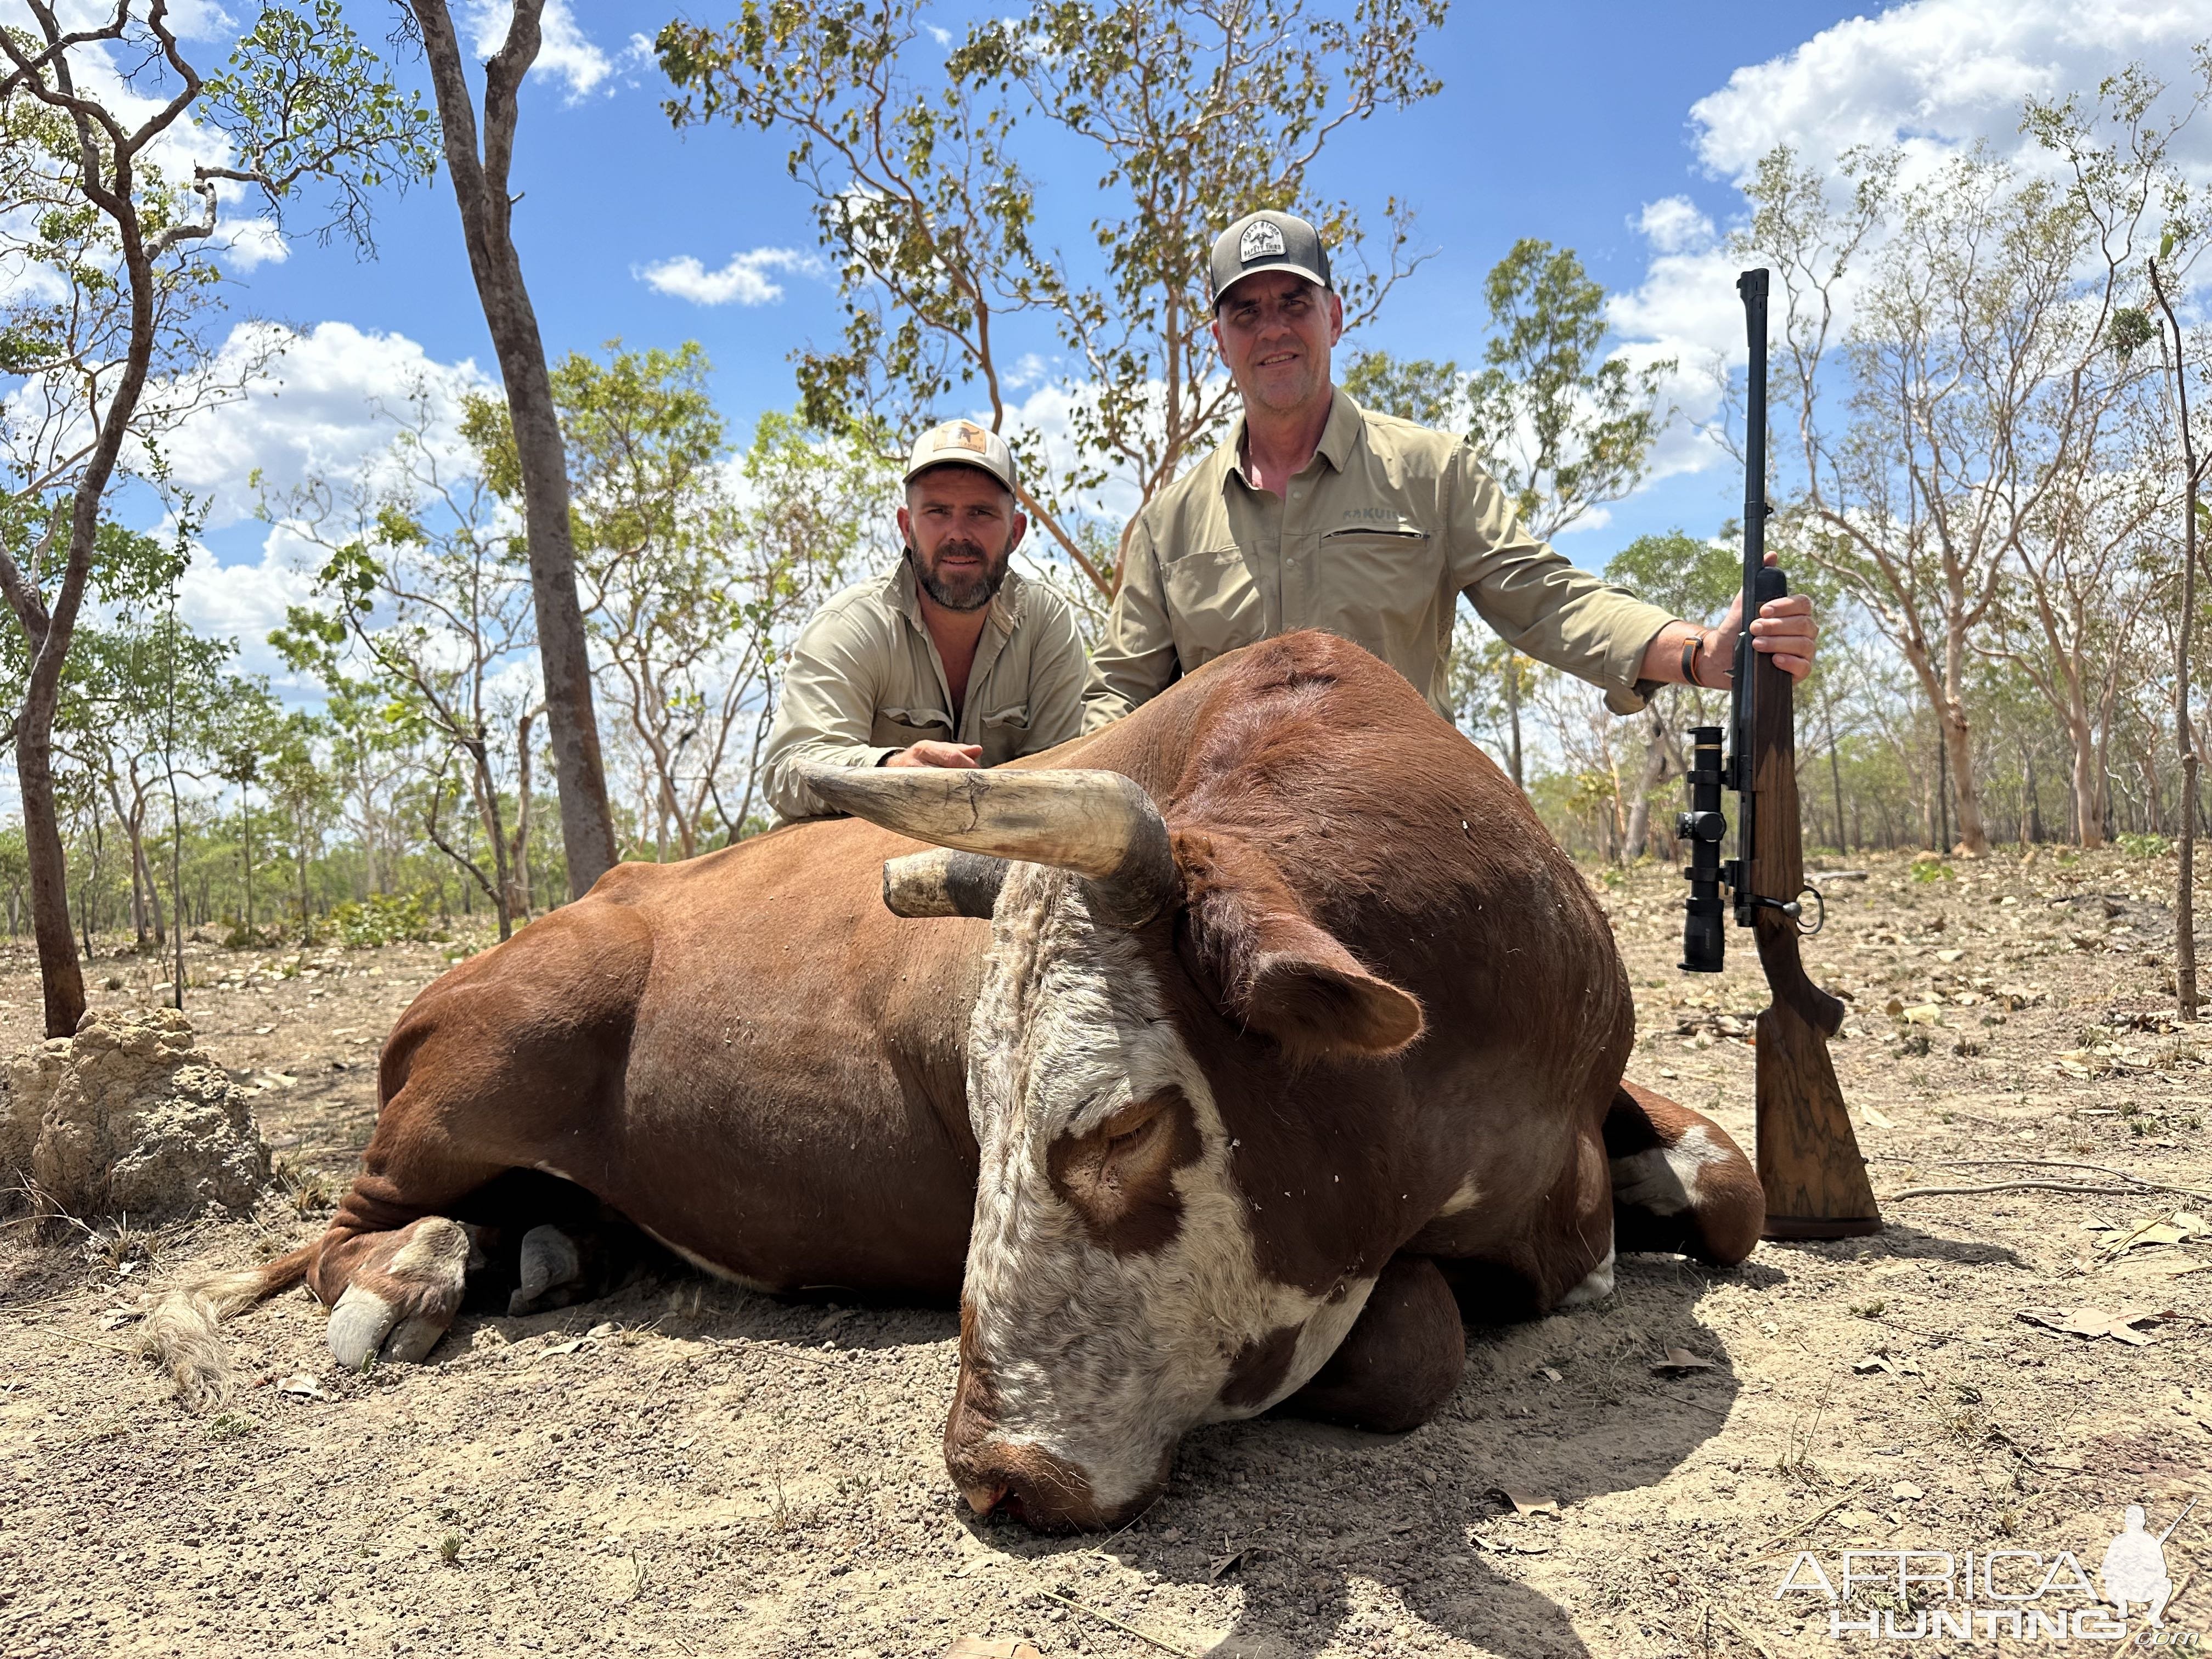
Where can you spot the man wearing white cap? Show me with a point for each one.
(953, 660)
(1318, 514)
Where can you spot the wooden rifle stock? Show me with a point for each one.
(1808, 1158)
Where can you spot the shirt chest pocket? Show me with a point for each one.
(1004, 734)
(1213, 605)
(898, 728)
(1379, 585)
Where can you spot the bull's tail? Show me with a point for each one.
(1678, 1181)
(178, 1332)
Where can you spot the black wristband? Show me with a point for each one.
(1690, 649)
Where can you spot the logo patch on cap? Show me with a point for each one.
(1260, 240)
(961, 434)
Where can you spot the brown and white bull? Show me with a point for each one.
(1280, 1033)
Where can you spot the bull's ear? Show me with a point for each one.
(1273, 967)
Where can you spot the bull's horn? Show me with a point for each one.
(943, 882)
(1101, 825)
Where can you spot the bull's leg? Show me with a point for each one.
(551, 1265)
(391, 1267)
(1401, 1359)
(1679, 1182)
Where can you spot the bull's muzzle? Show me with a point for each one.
(1020, 1478)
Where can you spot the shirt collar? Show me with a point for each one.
(1339, 439)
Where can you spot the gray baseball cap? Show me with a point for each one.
(1268, 241)
(962, 443)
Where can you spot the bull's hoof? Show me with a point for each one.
(550, 1265)
(402, 1297)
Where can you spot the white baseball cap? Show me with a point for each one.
(962, 443)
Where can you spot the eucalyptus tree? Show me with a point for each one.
(424, 585)
(478, 164)
(2196, 521)
(1944, 366)
(1193, 112)
(120, 224)
(1692, 577)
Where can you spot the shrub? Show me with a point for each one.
(2145, 847)
(1934, 872)
(384, 918)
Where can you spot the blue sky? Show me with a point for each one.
(1559, 122)
(1617, 129)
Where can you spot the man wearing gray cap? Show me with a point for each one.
(953, 660)
(1318, 514)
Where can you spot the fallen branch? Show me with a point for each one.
(2031, 1163)
(1086, 1608)
(1804, 1526)
(2137, 1190)
(1743, 1635)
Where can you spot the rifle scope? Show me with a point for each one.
(1704, 945)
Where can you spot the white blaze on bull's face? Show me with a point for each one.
(1103, 1334)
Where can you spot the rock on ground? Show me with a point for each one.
(129, 1116)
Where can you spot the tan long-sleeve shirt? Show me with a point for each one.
(1375, 541)
(865, 681)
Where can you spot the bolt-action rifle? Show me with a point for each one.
(1809, 1159)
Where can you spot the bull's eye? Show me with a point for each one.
(1119, 1176)
(1123, 1140)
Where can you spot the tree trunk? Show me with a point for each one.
(137, 879)
(2088, 784)
(246, 849)
(1835, 766)
(1964, 789)
(61, 980)
(300, 837)
(480, 187)
(518, 862)
(2184, 736)
(1633, 844)
(1513, 715)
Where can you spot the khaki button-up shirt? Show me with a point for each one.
(1375, 539)
(865, 681)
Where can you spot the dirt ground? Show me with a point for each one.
(686, 1468)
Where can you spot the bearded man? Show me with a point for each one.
(953, 660)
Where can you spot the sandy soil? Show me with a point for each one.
(686, 1469)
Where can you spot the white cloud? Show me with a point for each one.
(245, 602)
(318, 412)
(251, 242)
(1936, 74)
(744, 279)
(564, 51)
(1674, 224)
(1595, 518)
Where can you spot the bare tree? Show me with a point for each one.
(429, 588)
(480, 188)
(1972, 388)
(2185, 733)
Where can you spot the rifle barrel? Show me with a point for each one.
(1751, 286)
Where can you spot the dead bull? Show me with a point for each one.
(1291, 1034)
